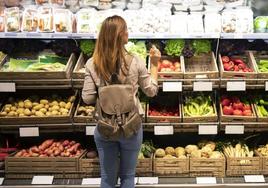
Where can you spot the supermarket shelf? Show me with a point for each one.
(244, 36)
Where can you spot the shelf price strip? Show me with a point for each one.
(7, 87)
(29, 131)
(42, 180)
(163, 130)
(91, 181)
(206, 180)
(202, 86)
(254, 179)
(207, 129)
(234, 129)
(172, 86)
(148, 180)
(266, 86)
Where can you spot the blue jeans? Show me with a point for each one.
(128, 149)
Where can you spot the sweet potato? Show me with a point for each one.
(65, 143)
(61, 148)
(19, 154)
(35, 154)
(56, 152)
(46, 144)
(72, 143)
(50, 151)
(34, 149)
(43, 155)
(74, 148)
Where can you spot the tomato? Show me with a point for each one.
(225, 59)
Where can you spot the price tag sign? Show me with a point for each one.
(254, 179)
(202, 86)
(135, 181)
(236, 86)
(90, 130)
(42, 180)
(163, 130)
(206, 180)
(148, 180)
(234, 129)
(91, 181)
(29, 131)
(207, 130)
(172, 86)
(1, 181)
(266, 86)
(7, 87)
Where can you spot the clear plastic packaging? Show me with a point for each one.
(62, 21)
(104, 5)
(244, 20)
(234, 3)
(57, 3)
(88, 3)
(195, 23)
(196, 8)
(42, 2)
(213, 8)
(85, 21)
(12, 19)
(2, 20)
(176, 28)
(119, 4)
(72, 5)
(45, 19)
(134, 6)
(229, 18)
(212, 22)
(30, 20)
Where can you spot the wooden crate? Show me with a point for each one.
(171, 167)
(82, 119)
(207, 167)
(39, 120)
(230, 118)
(89, 167)
(144, 167)
(201, 67)
(80, 64)
(235, 168)
(27, 167)
(170, 75)
(264, 163)
(248, 59)
(260, 75)
(212, 118)
(260, 119)
(66, 73)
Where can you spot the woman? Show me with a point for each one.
(109, 55)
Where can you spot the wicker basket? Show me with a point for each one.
(260, 75)
(144, 167)
(27, 167)
(171, 167)
(249, 60)
(207, 167)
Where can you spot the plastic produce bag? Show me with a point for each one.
(45, 19)
(212, 22)
(104, 5)
(85, 21)
(72, 5)
(134, 6)
(191, 2)
(244, 20)
(119, 4)
(12, 19)
(195, 23)
(62, 21)
(30, 20)
(229, 18)
(261, 24)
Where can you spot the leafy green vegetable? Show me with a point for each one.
(261, 24)
(201, 46)
(137, 48)
(174, 47)
(87, 47)
(45, 67)
(19, 64)
(147, 149)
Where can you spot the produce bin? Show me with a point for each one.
(89, 167)
(207, 167)
(171, 167)
(66, 73)
(256, 57)
(201, 67)
(259, 118)
(235, 166)
(27, 167)
(39, 120)
(79, 65)
(82, 119)
(249, 60)
(144, 167)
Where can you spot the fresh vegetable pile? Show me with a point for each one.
(263, 150)
(147, 149)
(263, 65)
(240, 150)
(53, 148)
(261, 105)
(87, 47)
(85, 110)
(261, 24)
(165, 65)
(170, 153)
(235, 106)
(164, 111)
(198, 106)
(35, 106)
(201, 46)
(137, 48)
(235, 64)
(174, 47)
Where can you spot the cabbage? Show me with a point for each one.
(137, 48)
(261, 24)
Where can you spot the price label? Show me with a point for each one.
(10, 34)
(266, 86)
(148, 180)
(206, 180)
(236, 86)
(207, 129)
(135, 181)
(201, 76)
(234, 129)
(202, 86)
(1, 181)
(7, 87)
(42, 180)
(91, 181)
(90, 130)
(172, 86)
(29, 131)
(254, 179)
(163, 130)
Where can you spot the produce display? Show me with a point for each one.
(53, 148)
(235, 64)
(12, 19)
(239, 150)
(45, 19)
(146, 151)
(262, 65)
(174, 47)
(87, 47)
(261, 24)
(200, 105)
(261, 103)
(85, 110)
(35, 106)
(85, 18)
(166, 66)
(232, 105)
(164, 111)
(62, 20)
(171, 153)
(30, 20)
(2, 20)
(45, 63)
(137, 48)
(204, 149)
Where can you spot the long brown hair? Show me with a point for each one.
(110, 52)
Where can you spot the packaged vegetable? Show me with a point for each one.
(2, 20)
(229, 18)
(104, 5)
(88, 3)
(45, 19)
(212, 22)
(85, 21)
(62, 20)
(119, 4)
(261, 24)
(178, 28)
(42, 2)
(57, 2)
(12, 19)
(72, 5)
(195, 23)
(244, 22)
(30, 20)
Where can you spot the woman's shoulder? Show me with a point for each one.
(89, 64)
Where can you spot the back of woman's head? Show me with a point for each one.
(110, 50)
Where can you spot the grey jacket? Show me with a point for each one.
(138, 76)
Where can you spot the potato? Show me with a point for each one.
(43, 101)
(39, 114)
(54, 103)
(64, 113)
(62, 104)
(13, 108)
(16, 114)
(33, 111)
(43, 110)
(7, 109)
(68, 105)
(71, 99)
(63, 110)
(81, 109)
(46, 106)
(27, 112)
(20, 110)
(48, 114)
(28, 104)
(21, 115)
(11, 114)
(55, 113)
(8, 106)
(35, 103)
(55, 107)
(3, 113)
(50, 109)
(38, 107)
(21, 104)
